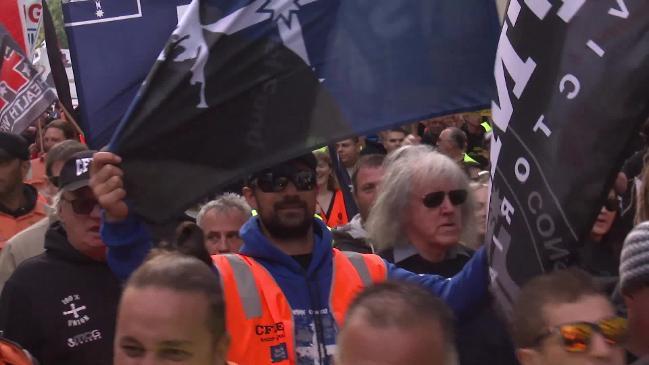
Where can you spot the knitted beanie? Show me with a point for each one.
(634, 260)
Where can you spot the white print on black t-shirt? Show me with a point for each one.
(85, 337)
(73, 311)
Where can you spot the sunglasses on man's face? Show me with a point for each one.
(612, 204)
(83, 206)
(435, 199)
(577, 336)
(275, 182)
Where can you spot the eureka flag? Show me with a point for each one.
(113, 45)
(244, 84)
(24, 93)
(573, 89)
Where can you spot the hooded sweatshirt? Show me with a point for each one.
(61, 305)
(308, 290)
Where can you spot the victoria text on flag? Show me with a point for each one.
(113, 45)
(245, 84)
(24, 94)
(573, 89)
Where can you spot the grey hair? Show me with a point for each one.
(404, 168)
(224, 203)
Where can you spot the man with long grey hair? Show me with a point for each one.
(424, 209)
(422, 219)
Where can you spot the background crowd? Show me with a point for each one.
(85, 281)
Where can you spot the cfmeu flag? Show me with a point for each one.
(573, 89)
(113, 45)
(24, 94)
(244, 84)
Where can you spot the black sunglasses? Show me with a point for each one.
(275, 182)
(612, 204)
(435, 199)
(82, 205)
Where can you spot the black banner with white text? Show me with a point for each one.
(573, 89)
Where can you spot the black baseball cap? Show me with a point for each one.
(13, 146)
(75, 173)
(307, 159)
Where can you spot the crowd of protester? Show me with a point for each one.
(369, 251)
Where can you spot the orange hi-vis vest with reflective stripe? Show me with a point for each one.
(259, 318)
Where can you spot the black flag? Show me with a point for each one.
(573, 89)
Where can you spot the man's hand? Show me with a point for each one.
(107, 185)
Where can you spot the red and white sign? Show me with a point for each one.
(20, 18)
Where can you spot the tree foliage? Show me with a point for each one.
(57, 17)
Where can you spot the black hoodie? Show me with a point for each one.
(61, 306)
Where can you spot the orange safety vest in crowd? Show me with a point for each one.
(259, 318)
(36, 176)
(10, 225)
(338, 214)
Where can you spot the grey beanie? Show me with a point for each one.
(634, 260)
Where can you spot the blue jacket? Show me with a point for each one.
(308, 291)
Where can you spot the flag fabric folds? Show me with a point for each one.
(244, 84)
(24, 93)
(113, 45)
(573, 90)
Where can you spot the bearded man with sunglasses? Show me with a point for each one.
(563, 318)
(61, 305)
(288, 290)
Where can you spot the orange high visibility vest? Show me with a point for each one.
(338, 215)
(10, 225)
(36, 176)
(259, 318)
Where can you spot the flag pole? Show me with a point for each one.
(70, 118)
(39, 125)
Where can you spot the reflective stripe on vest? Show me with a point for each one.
(361, 267)
(469, 159)
(246, 286)
(486, 126)
(259, 317)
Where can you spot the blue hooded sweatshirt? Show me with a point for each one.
(307, 291)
